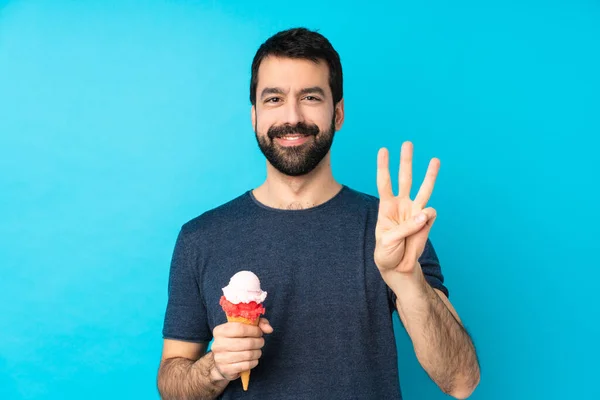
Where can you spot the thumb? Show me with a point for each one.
(424, 232)
(411, 225)
(431, 219)
(265, 326)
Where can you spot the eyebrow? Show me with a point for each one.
(274, 90)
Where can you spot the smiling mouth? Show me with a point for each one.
(294, 136)
(292, 140)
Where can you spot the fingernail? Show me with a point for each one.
(420, 218)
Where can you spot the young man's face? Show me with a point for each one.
(294, 118)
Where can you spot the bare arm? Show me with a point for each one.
(442, 345)
(187, 372)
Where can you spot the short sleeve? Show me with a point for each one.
(430, 265)
(185, 316)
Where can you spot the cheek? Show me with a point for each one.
(325, 124)
(264, 120)
(320, 116)
(262, 127)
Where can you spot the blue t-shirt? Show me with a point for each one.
(329, 307)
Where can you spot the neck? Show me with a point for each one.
(298, 192)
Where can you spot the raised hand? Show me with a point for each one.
(403, 224)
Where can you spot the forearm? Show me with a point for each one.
(442, 346)
(184, 379)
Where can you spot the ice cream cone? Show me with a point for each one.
(245, 375)
(243, 320)
(242, 302)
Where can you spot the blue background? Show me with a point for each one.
(120, 120)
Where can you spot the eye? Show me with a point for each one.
(272, 100)
(312, 98)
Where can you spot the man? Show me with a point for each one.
(335, 262)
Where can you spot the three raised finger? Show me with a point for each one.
(426, 188)
(384, 181)
(405, 171)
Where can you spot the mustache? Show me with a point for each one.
(300, 128)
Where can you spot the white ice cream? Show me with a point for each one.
(244, 287)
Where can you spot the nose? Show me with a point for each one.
(293, 113)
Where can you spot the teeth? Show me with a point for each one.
(292, 137)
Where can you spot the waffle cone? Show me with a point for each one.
(245, 375)
(243, 320)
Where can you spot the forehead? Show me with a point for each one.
(292, 73)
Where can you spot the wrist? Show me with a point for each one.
(215, 376)
(408, 284)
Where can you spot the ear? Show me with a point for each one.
(339, 115)
(253, 116)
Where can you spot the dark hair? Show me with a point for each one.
(300, 43)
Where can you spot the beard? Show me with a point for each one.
(301, 159)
